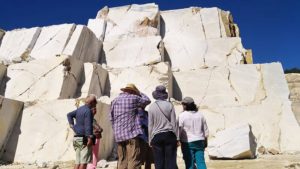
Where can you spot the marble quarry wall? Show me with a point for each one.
(195, 52)
(293, 80)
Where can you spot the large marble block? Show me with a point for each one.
(131, 52)
(220, 86)
(244, 93)
(95, 80)
(52, 41)
(192, 38)
(45, 128)
(98, 81)
(131, 20)
(97, 26)
(35, 80)
(193, 53)
(146, 78)
(236, 142)
(73, 78)
(83, 45)
(107, 141)
(18, 43)
(9, 113)
(45, 134)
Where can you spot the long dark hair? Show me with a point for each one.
(190, 107)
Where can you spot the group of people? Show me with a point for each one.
(143, 137)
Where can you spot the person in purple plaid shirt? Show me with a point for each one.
(126, 126)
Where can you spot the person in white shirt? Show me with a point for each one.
(193, 134)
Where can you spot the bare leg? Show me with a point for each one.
(82, 166)
(76, 166)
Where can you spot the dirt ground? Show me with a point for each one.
(262, 162)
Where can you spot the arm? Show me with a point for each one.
(110, 115)
(174, 121)
(71, 117)
(150, 124)
(88, 126)
(144, 100)
(180, 126)
(88, 123)
(206, 131)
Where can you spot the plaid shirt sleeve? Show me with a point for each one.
(144, 100)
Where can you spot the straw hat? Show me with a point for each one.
(130, 87)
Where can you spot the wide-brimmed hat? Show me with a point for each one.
(130, 87)
(187, 100)
(160, 93)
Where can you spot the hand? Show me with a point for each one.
(205, 143)
(178, 143)
(90, 142)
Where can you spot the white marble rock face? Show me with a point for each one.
(45, 128)
(97, 26)
(37, 80)
(52, 41)
(220, 86)
(131, 21)
(146, 78)
(45, 134)
(132, 52)
(233, 143)
(9, 113)
(293, 80)
(18, 43)
(212, 23)
(244, 93)
(189, 42)
(83, 45)
(191, 53)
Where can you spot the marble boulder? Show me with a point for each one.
(236, 142)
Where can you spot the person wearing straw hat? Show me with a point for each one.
(193, 134)
(126, 127)
(163, 130)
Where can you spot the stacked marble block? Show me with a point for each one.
(194, 52)
(205, 60)
(33, 72)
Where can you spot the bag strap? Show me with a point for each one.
(163, 112)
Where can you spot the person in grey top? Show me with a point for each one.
(163, 130)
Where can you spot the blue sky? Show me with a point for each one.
(271, 28)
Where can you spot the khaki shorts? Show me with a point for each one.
(83, 153)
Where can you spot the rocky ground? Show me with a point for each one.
(262, 162)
